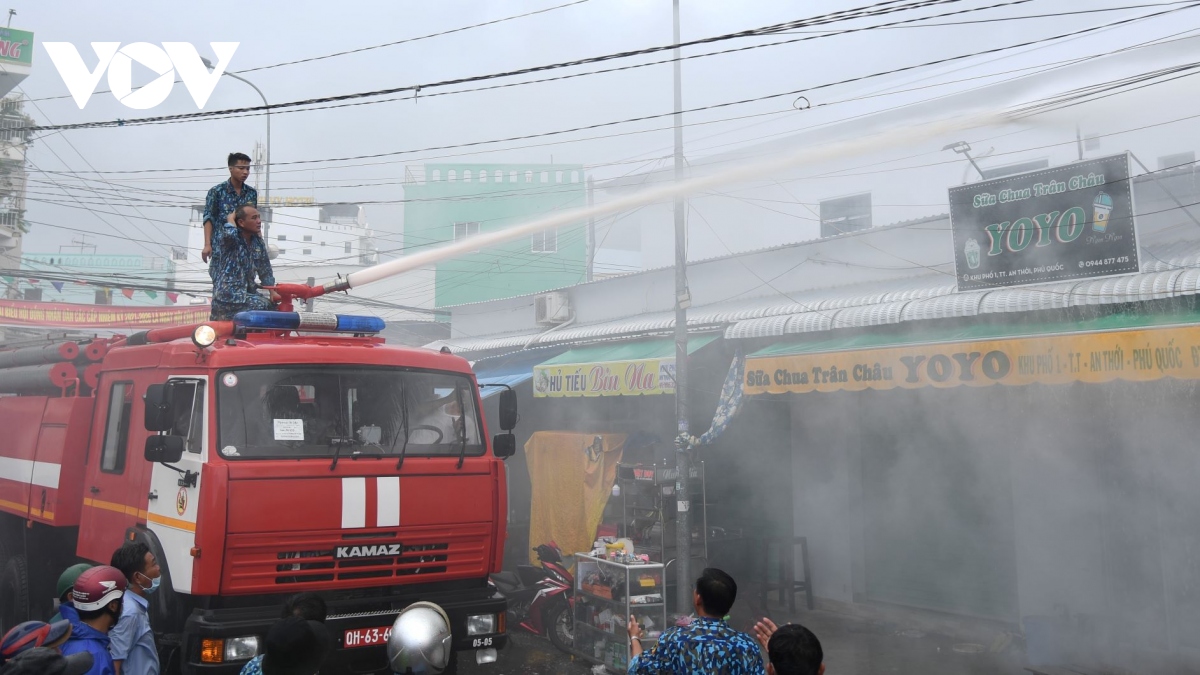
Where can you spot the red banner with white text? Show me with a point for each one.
(67, 315)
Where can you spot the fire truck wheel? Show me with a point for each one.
(561, 626)
(14, 593)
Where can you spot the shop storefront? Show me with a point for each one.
(1002, 471)
(620, 391)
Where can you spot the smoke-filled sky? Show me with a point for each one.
(272, 33)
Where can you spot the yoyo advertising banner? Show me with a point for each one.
(1070, 222)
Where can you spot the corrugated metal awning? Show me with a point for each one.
(1170, 270)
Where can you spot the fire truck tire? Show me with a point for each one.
(14, 593)
(560, 626)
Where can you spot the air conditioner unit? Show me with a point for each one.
(552, 308)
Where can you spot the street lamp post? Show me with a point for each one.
(267, 188)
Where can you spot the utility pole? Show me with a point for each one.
(591, 231)
(683, 520)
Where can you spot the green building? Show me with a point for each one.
(457, 201)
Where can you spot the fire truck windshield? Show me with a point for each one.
(315, 411)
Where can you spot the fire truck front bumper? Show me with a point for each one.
(220, 642)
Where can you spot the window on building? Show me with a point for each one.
(282, 251)
(282, 237)
(307, 251)
(545, 242)
(104, 296)
(845, 214)
(347, 247)
(464, 230)
(1179, 160)
(1091, 142)
(178, 253)
(308, 237)
(1014, 169)
(116, 429)
(33, 294)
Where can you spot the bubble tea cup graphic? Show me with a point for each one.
(972, 252)
(1101, 208)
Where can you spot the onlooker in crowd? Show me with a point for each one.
(707, 644)
(791, 649)
(65, 581)
(132, 642)
(294, 646)
(96, 600)
(45, 661)
(33, 634)
(223, 199)
(307, 606)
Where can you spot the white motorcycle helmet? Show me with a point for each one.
(420, 642)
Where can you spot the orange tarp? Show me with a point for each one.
(572, 477)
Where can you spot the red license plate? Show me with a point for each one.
(366, 637)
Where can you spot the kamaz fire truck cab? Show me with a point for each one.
(258, 460)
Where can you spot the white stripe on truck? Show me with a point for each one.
(388, 508)
(42, 474)
(354, 502)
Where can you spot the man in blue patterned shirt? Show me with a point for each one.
(222, 200)
(707, 645)
(241, 257)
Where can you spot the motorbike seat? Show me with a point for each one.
(506, 582)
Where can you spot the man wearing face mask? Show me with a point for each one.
(132, 642)
(95, 607)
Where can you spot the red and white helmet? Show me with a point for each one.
(97, 587)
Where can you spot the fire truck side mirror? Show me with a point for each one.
(158, 408)
(504, 445)
(508, 410)
(166, 449)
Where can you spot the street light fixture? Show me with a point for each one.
(964, 148)
(267, 188)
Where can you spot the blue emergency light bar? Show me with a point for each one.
(308, 321)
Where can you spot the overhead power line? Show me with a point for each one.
(877, 9)
(372, 47)
(790, 93)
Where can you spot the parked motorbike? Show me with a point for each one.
(542, 599)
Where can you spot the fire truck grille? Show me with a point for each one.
(429, 553)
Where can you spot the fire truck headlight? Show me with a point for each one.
(481, 624)
(204, 336)
(241, 648)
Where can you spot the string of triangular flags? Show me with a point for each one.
(172, 296)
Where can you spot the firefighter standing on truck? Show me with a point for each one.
(240, 258)
(221, 201)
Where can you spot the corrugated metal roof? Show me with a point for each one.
(1169, 270)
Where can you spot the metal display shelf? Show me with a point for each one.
(606, 593)
(648, 510)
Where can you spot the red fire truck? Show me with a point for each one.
(258, 458)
